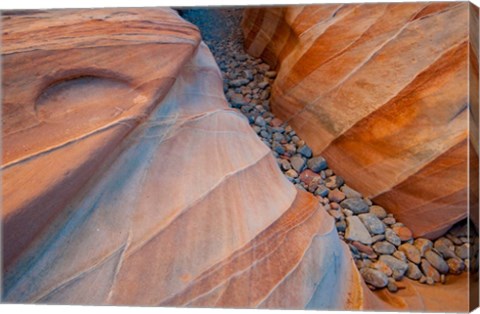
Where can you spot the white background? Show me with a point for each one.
(45, 4)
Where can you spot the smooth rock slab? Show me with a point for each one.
(356, 231)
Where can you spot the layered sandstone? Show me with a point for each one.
(381, 90)
(127, 179)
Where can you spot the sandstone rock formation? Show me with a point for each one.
(381, 90)
(125, 170)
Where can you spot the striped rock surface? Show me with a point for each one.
(128, 180)
(381, 90)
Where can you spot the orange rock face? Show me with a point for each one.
(125, 170)
(381, 90)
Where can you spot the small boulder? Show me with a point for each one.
(398, 267)
(308, 176)
(363, 248)
(383, 247)
(297, 162)
(381, 266)
(412, 253)
(322, 191)
(334, 182)
(462, 251)
(334, 195)
(392, 237)
(317, 164)
(356, 205)
(429, 270)
(455, 266)
(374, 277)
(373, 224)
(403, 232)
(423, 245)
(400, 255)
(284, 165)
(413, 272)
(305, 151)
(291, 173)
(350, 193)
(356, 231)
(436, 261)
(378, 211)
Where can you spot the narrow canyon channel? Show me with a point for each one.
(384, 249)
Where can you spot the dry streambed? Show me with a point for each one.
(384, 249)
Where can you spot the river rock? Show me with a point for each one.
(455, 266)
(356, 231)
(305, 151)
(308, 176)
(462, 251)
(400, 255)
(437, 261)
(356, 205)
(378, 211)
(373, 224)
(392, 237)
(291, 173)
(413, 272)
(350, 193)
(429, 270)
(381, 266)
(403, 232)
(423, 245)
(374, 277)
(398, 267)
(383, 247)
(298, 163)
(363, 248)
(322, 191)
(284, 165)
(412, 253)
(317, 164)
(336, 195)
(334, 182)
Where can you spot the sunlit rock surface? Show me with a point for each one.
(381, 90)
(127, 179)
